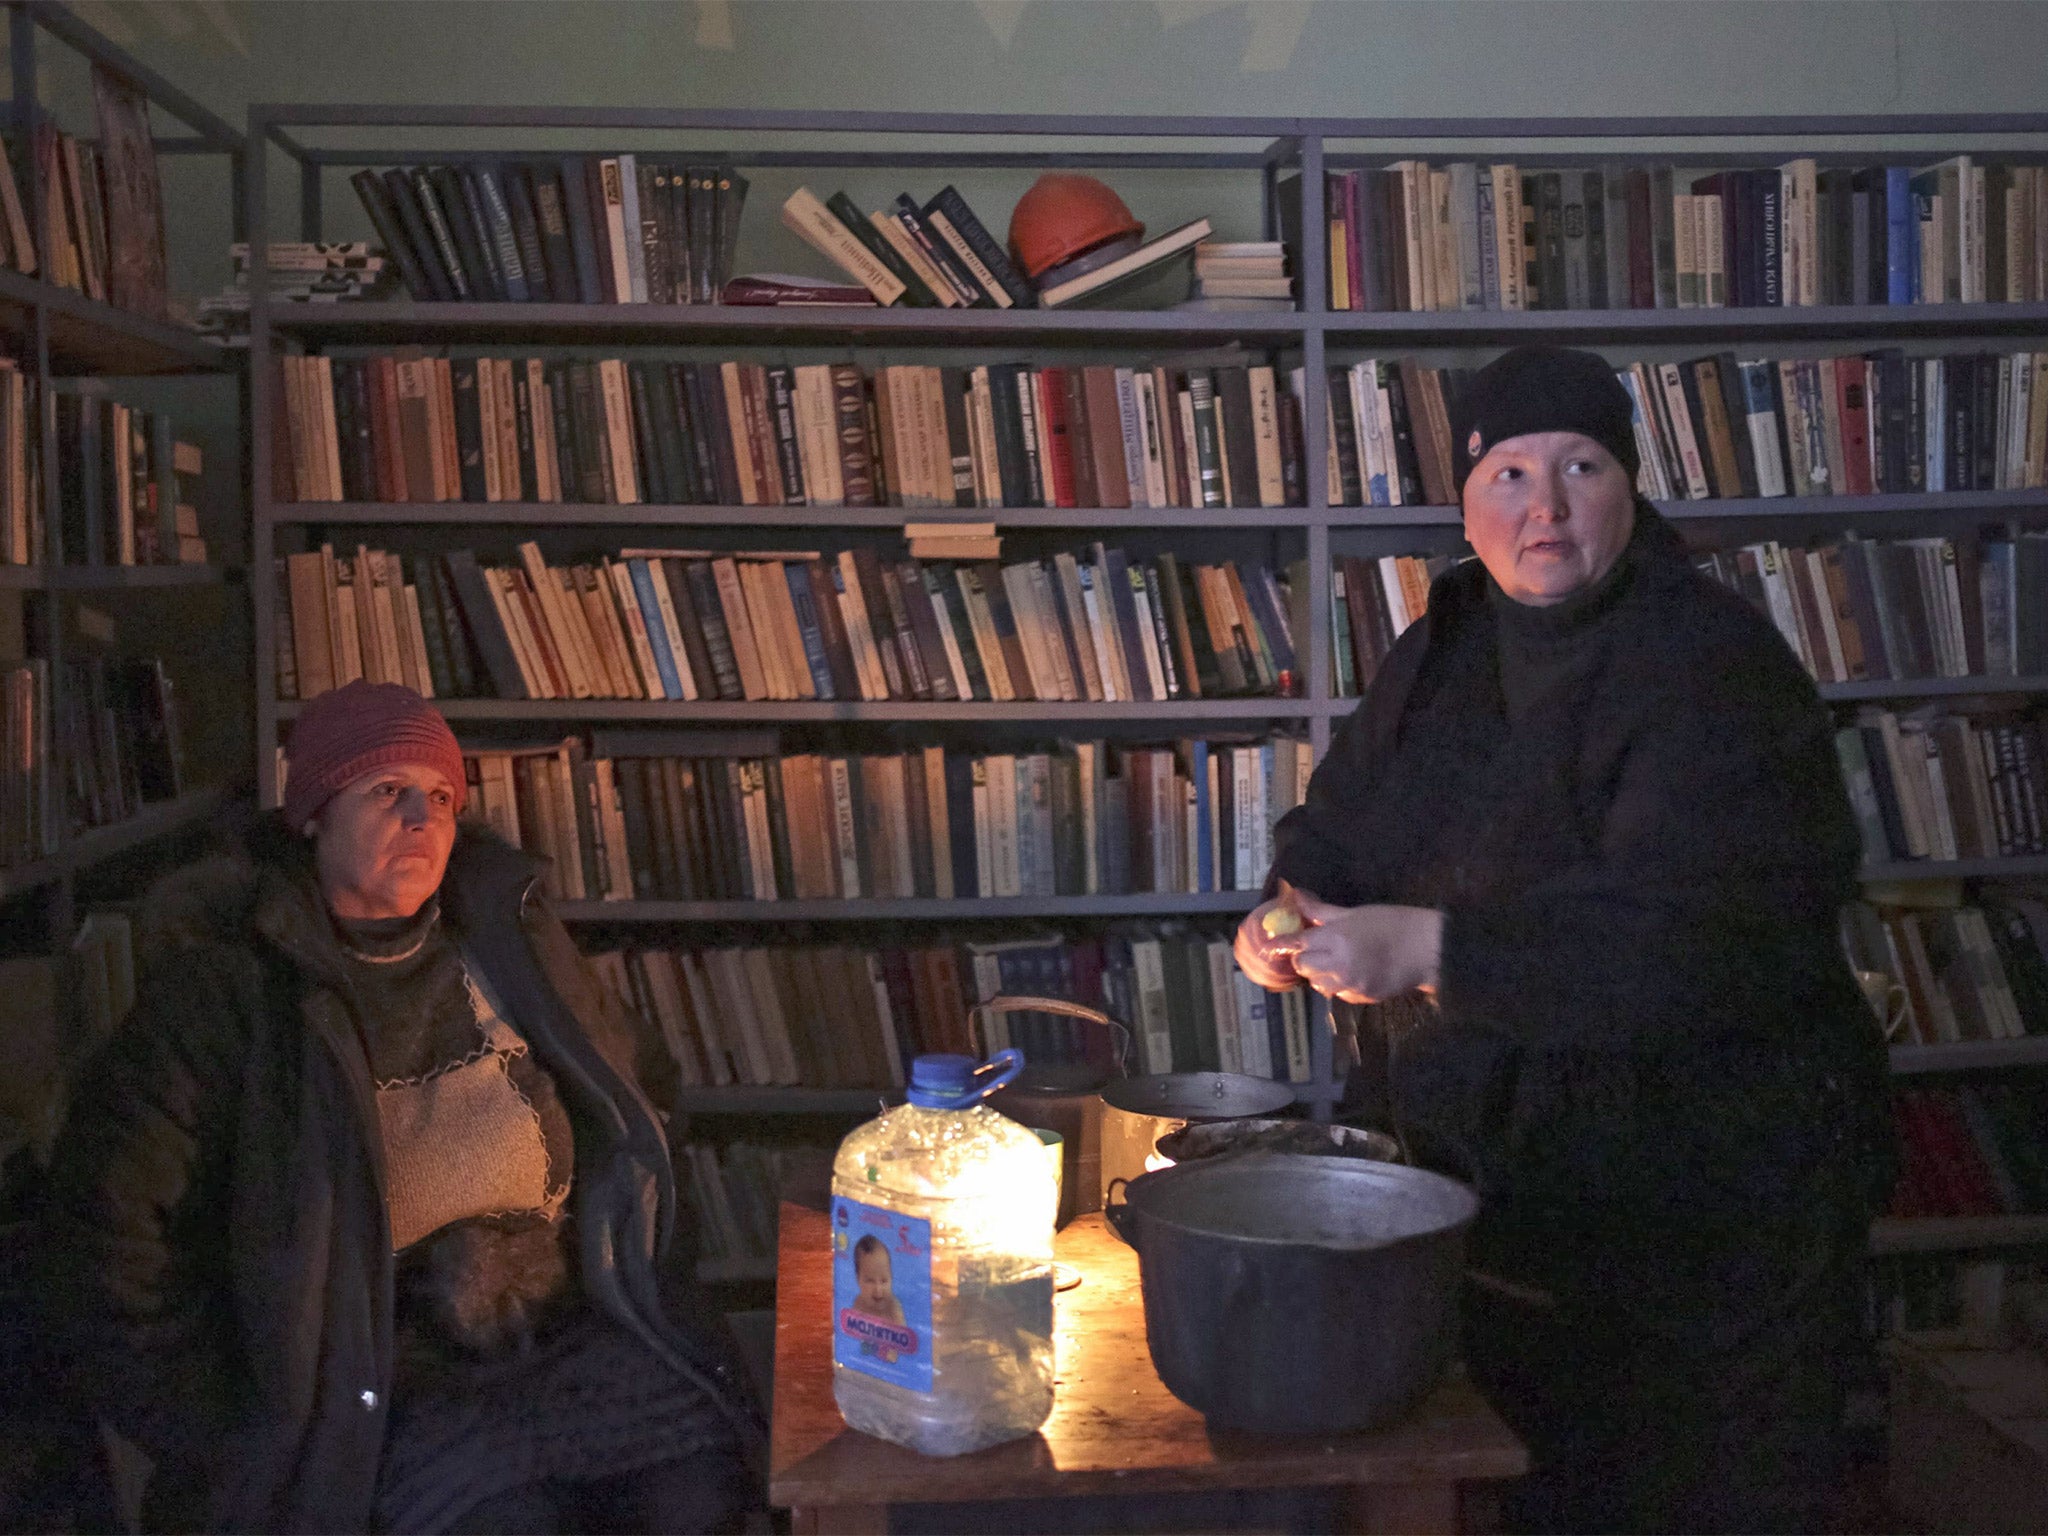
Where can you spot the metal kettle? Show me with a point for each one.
(1112, 1124)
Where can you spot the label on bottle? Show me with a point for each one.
(882, 1294)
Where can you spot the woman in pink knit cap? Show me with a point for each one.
(361, 1221)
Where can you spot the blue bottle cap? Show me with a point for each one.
(955, 1082)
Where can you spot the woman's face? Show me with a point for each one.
(1548, 514)
(381, 845)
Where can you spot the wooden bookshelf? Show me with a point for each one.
(87, 336)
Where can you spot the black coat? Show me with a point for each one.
(217, 1268)
(1649, 1052)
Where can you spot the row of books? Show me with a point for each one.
(102, 204)
(127, 487)
(1469, 236)
(1371, 602)
(1930, 784)
(582, 229)
(846, 1016)
(1840, 426)
(406, 427)
(1973, 1151)
(789, 625)
(621, 822)
(1968, 972)
(117, 739)
(1864, 608)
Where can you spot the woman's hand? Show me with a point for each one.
(1259, 954)
(1361, 954)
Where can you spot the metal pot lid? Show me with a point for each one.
(1197, 1095)
(1302, 1138)
(1319, 1202)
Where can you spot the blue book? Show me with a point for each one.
(798, 580)
(1039, 780)
(636, 252)
(1901, 255)
(657, 632)
(1119, 576)
(503, 237)
(1027, 829)
(1205, 852)
(1271, 608)
(960, 822)
(582, 238)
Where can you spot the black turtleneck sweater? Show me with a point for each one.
(1627, 807)
(1647, 1050)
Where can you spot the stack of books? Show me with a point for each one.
(1241, 275)
(626, 821)
(406, 427)
(850, 1016)
(688, 625)
(601, 229)
(299, 272)
(1412, 236)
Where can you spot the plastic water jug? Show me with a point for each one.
(942, 1225)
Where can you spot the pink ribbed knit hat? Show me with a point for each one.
(347, 731)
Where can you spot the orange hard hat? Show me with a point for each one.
(1061, 215)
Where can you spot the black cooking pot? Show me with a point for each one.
(1295, 1295)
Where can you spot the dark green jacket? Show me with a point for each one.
(216, 1266)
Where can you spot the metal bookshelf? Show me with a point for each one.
(323, 143)
(56, 333)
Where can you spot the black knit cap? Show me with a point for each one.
(1542, 389)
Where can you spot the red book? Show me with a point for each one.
(1642, 253)
(387, 436)
(1354, 256)
(1060, 449)
(1852, 400)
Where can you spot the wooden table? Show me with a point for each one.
(1114, 1430)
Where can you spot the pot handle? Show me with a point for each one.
(1120, 1035)
(1118, 1215)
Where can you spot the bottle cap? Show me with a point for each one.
(955, 1082)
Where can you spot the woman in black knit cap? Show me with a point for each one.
(1589, 808)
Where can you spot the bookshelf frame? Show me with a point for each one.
(59, 333)
(1261, 146)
